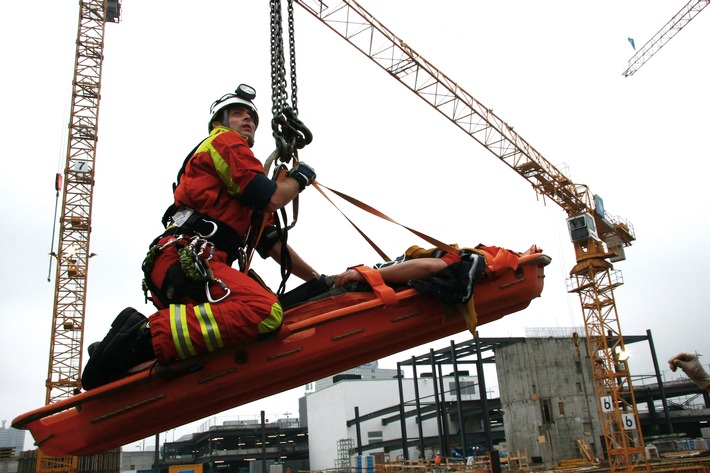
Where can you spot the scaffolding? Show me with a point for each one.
(345, 446)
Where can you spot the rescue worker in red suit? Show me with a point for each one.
(221, 187)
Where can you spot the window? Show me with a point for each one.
(467, 387)
(561, 406)
(546, 411)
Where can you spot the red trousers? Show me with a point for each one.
(191, 328)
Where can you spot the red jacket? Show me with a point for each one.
(224, 180)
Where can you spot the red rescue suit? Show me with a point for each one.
(223, 181)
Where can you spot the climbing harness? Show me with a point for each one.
(184, 220)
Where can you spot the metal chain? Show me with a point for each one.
(289, 132)
(279, 96)
(292, 54)
(278, 61)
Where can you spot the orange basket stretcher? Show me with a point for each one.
(318, 339)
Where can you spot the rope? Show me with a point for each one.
(187, 263)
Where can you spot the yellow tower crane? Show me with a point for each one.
(670, 29)
(65, 353)
(598, 237)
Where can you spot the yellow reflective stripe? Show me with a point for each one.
(220, 165)
(209, 327)
(180, 332)
(274, 319)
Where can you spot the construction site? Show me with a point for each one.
(469, 393)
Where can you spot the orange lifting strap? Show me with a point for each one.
(377, 213)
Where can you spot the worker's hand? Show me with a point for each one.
(691, 366)
(304, 174)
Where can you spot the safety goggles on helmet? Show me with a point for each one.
(243, 95)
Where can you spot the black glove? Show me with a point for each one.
(304, 174)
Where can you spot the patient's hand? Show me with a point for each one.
(349, 275)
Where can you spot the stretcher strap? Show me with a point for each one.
(442, 246)
(374, 279)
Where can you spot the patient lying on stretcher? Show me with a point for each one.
(449, 277)
(446, 276)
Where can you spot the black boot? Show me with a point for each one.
(127, 344)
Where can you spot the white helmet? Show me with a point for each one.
(243, 95)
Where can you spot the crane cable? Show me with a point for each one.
(52, 254)
(58, 186)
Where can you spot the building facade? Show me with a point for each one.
(365, 417)
(12, 438)
(242, 447)
(548, 396)
(368, 371)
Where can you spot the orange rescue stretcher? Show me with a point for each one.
(318, 339)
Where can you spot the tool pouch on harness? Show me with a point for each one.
(178, 283)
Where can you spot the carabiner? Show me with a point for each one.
(214, 229)
(224, 287)
(205, 245)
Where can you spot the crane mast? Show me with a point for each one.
(598, 237)
(670, 29)
(65, 355)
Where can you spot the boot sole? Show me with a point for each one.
(99, 368)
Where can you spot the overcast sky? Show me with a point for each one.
(552, 69)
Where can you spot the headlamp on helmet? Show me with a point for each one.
(242, 96)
